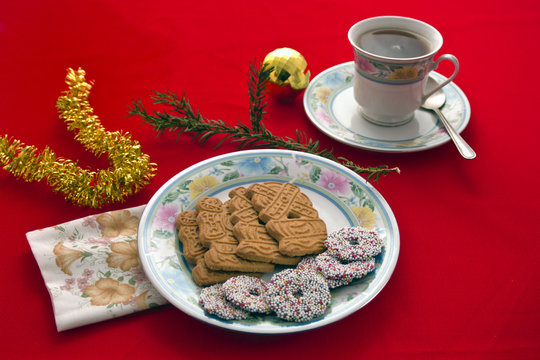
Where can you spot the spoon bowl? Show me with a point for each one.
(434, 103)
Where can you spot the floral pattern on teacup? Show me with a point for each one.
(391, 72)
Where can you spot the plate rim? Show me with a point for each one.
(443, 139)
(295, 327)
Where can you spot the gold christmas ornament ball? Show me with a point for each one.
(290, 74)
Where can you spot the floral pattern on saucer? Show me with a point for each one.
(342, 198)
(329, 86)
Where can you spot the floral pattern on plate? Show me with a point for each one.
(330, 105)
(342, 198)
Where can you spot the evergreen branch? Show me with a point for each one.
(258, 81)
(186, 120)
(374, 173)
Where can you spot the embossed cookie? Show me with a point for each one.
(204, 276)
(216, 233)
(280, 200)
(254, 241)
(188, 233)
(256, 244)
(241, 208)
(298, 237)
(290, 218)
(211, 220)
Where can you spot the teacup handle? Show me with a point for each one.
(455, 61)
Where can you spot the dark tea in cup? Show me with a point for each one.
(394, 43)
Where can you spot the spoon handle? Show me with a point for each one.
(464, 149)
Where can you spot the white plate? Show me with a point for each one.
(339, 195)
(329, 103)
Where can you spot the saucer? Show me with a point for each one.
(330, 105)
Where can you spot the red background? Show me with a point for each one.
(466, 283)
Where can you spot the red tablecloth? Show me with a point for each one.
(466, 282)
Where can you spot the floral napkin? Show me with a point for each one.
(91, 268)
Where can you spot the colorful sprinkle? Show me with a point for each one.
(213, 301)
(309, 263)
(298, 295)
(247, 293)
(353, 244)
(333, 268)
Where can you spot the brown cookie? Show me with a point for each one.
(280, 200)
(204, 276)
(188, 233)
(241, 208)
(216, 232)
(254, 241)
(289, 217)
(212, 220)
(256, 244)
(298, 237)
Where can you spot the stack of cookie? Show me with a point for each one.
(259, 226)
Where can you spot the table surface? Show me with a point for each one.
(466, 282)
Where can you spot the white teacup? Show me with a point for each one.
(393, 57)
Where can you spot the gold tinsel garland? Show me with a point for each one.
(130, 169)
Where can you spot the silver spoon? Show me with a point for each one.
(434, 102)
